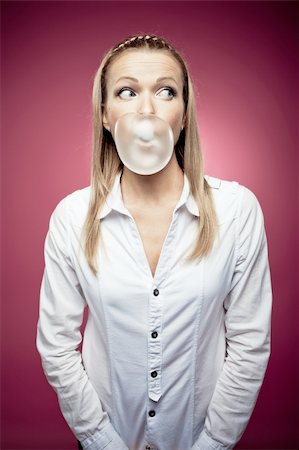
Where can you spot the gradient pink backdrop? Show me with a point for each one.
(242, 56)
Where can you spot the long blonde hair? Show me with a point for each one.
(106, 163)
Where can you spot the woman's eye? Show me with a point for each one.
(169, 91)
(125, 90)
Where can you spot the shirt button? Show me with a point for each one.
(154, 334)
(151, 413)
(154, 374)
(156, 292)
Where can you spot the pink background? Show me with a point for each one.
(242, 57)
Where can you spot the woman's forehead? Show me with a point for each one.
(134, 61)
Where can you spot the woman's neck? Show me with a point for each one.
(160, 189)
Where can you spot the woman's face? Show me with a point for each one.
(147, 93)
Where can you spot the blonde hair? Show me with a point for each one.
(106, 163)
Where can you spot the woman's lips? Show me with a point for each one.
(145, 144)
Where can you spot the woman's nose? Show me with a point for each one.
(146, 104)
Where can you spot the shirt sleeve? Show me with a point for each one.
(61, 311)
(248, 309)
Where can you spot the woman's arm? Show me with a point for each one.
(248, 327)
(58, 336)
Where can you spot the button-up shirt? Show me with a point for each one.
(170, 362)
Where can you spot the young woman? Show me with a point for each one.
(173, 268)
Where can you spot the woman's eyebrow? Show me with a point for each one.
(137, 81)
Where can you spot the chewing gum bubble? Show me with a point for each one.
(145, 130)
(144, 142)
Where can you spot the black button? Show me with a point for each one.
(154, 334)
(152, 413)
(154, 374)
(156, 292)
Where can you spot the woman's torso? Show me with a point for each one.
(119, 352)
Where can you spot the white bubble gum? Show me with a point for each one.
(145, 130)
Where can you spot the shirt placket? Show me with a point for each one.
(155, 323)
(154, 345)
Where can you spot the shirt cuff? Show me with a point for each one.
(107, 439)
(205, 442)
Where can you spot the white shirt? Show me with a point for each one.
(173, 362)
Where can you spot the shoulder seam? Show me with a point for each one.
(68, 226)
(237, 217)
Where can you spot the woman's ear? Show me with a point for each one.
(104, 118)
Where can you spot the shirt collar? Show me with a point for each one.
(114, 200)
